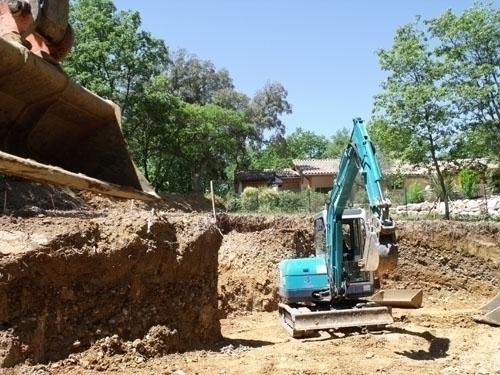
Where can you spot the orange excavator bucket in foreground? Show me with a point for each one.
(55, 131)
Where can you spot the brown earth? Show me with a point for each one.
(90, 284)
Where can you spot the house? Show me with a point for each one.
(290, 179)
(315, 174)
(318, 175)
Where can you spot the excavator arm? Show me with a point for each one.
(53, 130)
(380, 250)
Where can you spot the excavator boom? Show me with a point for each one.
(53, 130)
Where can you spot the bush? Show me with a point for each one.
(316, 201)
(250, 199)
(450, 187)
(290, 202)
(494, 181)
(468, 182)
(232, 202)
(415, 193)
(396, 197)
(268, 199)
(361, 198)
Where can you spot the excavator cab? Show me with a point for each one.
(53, 130)
(360, 282)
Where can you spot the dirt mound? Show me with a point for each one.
(19, 196)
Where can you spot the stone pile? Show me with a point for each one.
(480, 207)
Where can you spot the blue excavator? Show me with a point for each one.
(336, 287)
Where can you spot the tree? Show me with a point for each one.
(469, 45)
(182, 146)
(413, 107)
(306, 144)
(338, 143)
(209, 138)
(197, 81)
(154, 133)
(264, 112)
(280, 151)
(183, 119)
(111, 55)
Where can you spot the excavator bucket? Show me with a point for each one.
(490, 312)
(402, 298)
(55, 131)
(300, 321)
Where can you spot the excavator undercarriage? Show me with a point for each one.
(52, 129)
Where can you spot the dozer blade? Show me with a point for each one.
(403, 298)
(492, 309)
(301, 320)
(55, 131)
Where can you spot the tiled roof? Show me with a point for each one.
(266, 174)
(315, 167)
(309, 167)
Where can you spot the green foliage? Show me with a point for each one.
(182, 119)
(468, 44)
(316, 201)
(474, 143)
(396, 197)
(468, 182)
(337, 144)
(111, 55)
(274, 155)
(265, 110)
(415, 193)
(414, 111)
(268, 199)
(233, 202)
(304, 144)
(198, 81)
(361, 198)
(280, 151)
(290, 202)
(494, 181)
(250, 199)
(437, 191)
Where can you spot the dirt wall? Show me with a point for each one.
(119, 275)
(435, 256)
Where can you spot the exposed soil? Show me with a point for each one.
(90, 284)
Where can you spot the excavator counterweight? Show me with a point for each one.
(52, 129)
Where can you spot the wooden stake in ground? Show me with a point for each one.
(213, 198)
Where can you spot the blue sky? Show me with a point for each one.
(322, 52)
